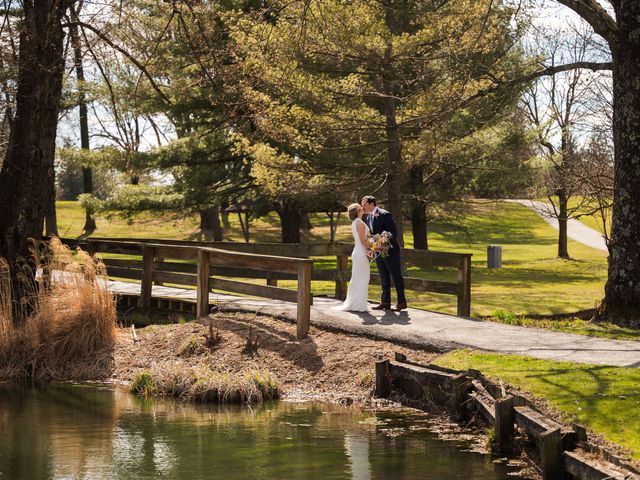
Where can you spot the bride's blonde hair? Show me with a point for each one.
(353, 210)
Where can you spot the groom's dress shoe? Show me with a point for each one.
(382, 306)
(400, 306)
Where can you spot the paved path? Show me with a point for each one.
(429, 329)
(576, 230)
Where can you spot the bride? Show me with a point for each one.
(357, 293)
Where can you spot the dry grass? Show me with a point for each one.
(58, 330)
(201, 383)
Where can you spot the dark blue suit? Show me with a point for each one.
(389, 266)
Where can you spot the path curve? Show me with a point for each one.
(576, 230)
(426, 329)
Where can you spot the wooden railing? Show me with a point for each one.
(461, 287)
(206, 266)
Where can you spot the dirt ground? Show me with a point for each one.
(325, 365)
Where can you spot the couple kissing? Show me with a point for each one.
(375, 235)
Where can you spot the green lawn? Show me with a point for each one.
(532, 281)
(605, 399)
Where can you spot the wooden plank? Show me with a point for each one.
(202, 295)
(265, 291)
(342, 272)
(484, 408)
(417, 258)
(122, 263)
(251, 273)
(304, 299)
(464, 281)
(147, 276)
(259, 262)
(241, 272)
(585, 469)
(126, 248)
(134, 274)
(175, 278)
(263, 248)
(177, 252)
(423, 285)
(534, 423)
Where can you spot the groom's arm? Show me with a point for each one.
(390, 225)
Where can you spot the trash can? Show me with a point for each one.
(494, 256)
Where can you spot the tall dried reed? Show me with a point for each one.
(62, 326)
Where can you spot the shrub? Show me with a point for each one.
(58, 329)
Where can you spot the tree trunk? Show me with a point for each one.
(419, 225)
(395, 168)
(87, 173)
(306, 222)
(563, 200)
(622, 291)
(27, 170)
(418, 210)
(224, 214)
(51, 218)
(291, 220)
(210, 224)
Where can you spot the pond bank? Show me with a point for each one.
(325, 366)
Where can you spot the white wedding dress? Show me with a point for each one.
(358, 291)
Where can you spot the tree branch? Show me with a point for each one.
(131, 58)
(595, 15)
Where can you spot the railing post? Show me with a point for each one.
(342, 264)
(304, 299)
(147, 276)
(272, 282)
(464, 287)
(202, 295)
(160, 260)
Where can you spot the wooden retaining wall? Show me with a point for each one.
(463, 394)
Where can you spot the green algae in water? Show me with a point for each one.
(66, 432)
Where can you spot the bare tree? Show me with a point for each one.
(560, 108)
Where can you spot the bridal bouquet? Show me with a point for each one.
(381, 243)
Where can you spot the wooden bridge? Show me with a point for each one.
(222, 267)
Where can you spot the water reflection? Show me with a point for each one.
(80, 432)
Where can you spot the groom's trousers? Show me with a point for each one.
(388, 267)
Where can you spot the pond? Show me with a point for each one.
(92, 432)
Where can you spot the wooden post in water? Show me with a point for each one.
(383, 379)
(505, 419)
(458, 393)
(202, 289)
(551, 455)
(342, 266)
(147, 276)
(464, 286)
(304, 299)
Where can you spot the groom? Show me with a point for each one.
(380, 220)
